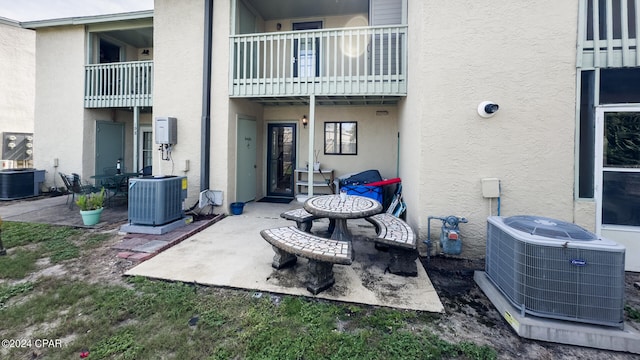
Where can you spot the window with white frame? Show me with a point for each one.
(341, 138)
(615, 86)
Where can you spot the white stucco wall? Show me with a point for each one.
(178, 48)
(17, 71)
(223, 111)
(520, 55)
(585, 214)
(59, 110)
(178, 56)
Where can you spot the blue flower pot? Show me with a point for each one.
(91, 217)
(237, 207)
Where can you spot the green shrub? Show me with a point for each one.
(92, 201)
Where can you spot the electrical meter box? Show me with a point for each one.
(166, 130)
(491, 188)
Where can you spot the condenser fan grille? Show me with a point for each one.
(549, 228)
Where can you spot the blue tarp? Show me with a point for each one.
(373, 192)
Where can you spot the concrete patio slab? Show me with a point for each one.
(231, 253)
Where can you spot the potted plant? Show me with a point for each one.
(316, 163)
(91, 206)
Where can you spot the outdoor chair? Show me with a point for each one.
(146, 171)
(73, 184)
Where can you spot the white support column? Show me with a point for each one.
(312, 125)
(136, 128)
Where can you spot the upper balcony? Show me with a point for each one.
(119, 56)
(349, 52)
(119, 70)
(120, 84)
(357, 61)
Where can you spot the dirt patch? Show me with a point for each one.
(101, 265)
(98, 264)
(470, 316)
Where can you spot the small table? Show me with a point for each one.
(119, 183)
(334, 207)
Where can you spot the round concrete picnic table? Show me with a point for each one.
(341, 209)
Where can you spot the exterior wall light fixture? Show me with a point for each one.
(305, 121)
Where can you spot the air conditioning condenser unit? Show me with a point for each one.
(156, 200)
(554, 269)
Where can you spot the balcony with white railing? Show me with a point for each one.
(359, 61)
(121, 84)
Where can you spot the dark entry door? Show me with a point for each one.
(281, 159)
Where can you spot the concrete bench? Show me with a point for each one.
(397, 236)
(289, 242)
(304, 219)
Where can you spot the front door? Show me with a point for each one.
(109, 146)
(246, 160)
(306, 52)
(281, 153)
(618, 178)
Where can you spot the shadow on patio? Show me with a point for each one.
(55, 210)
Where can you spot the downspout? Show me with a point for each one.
(205, 124)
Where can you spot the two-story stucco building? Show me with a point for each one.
(392, 85)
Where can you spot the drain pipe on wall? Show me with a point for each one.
(205, 125)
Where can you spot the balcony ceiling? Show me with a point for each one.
(287, 9)
(139, 38)
(328, 100)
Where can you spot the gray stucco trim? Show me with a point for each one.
(83, 20)
(10, 22)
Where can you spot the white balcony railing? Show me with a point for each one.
(349, 61)
(122, 84)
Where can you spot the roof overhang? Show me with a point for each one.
(7, 21)
(85, 20)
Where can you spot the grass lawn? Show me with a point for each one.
(59, 317)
